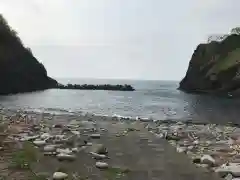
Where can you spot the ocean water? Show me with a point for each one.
(158, 100)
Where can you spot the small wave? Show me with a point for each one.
(54, 111)
(133, 118)
(122, 117)
(57, 109)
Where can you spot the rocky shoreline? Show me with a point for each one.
(60, 139)
(211, 146)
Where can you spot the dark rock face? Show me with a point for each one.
(108, 87)
(20, 70)
(214, 68)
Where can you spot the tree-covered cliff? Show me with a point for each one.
(19, 69)
(215, 66)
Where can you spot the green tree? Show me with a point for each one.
(235, 30)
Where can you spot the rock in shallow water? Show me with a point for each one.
(59, 176)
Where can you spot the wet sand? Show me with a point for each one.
(132, 149)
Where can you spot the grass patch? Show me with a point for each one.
(23, 158)
(231, 60)
(113, 173)
(3, 177)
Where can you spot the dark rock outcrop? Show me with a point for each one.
(108, 87)
(214, 68)
(20, 70)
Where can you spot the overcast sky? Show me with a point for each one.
(129, 39)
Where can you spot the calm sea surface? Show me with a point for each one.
(152, 99)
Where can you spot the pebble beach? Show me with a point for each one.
(101, 147)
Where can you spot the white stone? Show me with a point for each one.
(98, 156)
(161, 135)
(29, 138)
(104, 130)
(95, 135)
(75, 150)
(232, 168)
(89, 144)
(181, 149)
(76, 132)
(68, 157)
(196, 142)
(45, 136)
(64, 151)
(101, 165)
(228, 177)
(190, 148)
(60, 137)
(207, 159)
(49, 148)
(59, 176)
(173, 143)
(39, 142)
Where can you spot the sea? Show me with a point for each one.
(152, 100)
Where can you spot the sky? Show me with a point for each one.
(123, 39)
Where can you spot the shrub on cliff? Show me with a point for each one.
(221, 37)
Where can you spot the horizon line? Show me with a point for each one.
(130, 79)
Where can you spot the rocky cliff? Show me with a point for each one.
(214, 68)
(20, 71)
